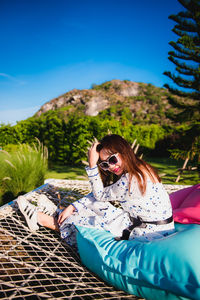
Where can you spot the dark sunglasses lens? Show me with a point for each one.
(104, 165)
(113, 160)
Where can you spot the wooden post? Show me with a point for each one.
(136, 148)
(182, 169)
(133, 144)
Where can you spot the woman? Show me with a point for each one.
(115, 173)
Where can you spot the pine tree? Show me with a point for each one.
(186, 57)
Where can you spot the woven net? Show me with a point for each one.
(40, 265)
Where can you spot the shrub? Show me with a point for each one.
(23, 170)
(11, 148)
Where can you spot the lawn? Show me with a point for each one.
(66, 172)
(167, 169)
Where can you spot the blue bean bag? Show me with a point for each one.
(168, 268)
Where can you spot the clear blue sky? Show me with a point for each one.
(48, 47)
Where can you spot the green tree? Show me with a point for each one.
(186, 57)
(53, 136)
(8, 135)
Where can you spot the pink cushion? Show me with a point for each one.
(186, 205)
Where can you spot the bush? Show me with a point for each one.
(22, 171)
(11, 147)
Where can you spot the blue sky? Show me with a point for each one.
(49, 47)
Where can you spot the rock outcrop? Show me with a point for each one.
(94, 100)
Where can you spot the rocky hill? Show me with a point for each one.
(143, 103)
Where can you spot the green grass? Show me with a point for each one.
(66, 172)
(167, 169)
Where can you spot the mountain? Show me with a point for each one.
(139, 102)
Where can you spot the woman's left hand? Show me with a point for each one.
(67, 212)
(93, 155)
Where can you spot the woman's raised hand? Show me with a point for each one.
(68, 211)
(93, 155)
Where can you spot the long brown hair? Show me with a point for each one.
(133, 165)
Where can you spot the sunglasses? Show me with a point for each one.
(110, 161)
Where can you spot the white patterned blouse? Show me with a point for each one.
(154, 205)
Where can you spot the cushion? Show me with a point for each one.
(186, 205)
(167, 268)
(179, 196)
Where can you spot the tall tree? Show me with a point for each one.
(186, 57)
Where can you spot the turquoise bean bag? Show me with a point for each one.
(168, 268)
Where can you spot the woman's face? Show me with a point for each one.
(117, 168)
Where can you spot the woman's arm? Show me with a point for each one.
(68, 211)
(117, 191)
(77, 206)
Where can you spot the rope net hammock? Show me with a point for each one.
(40, 265)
